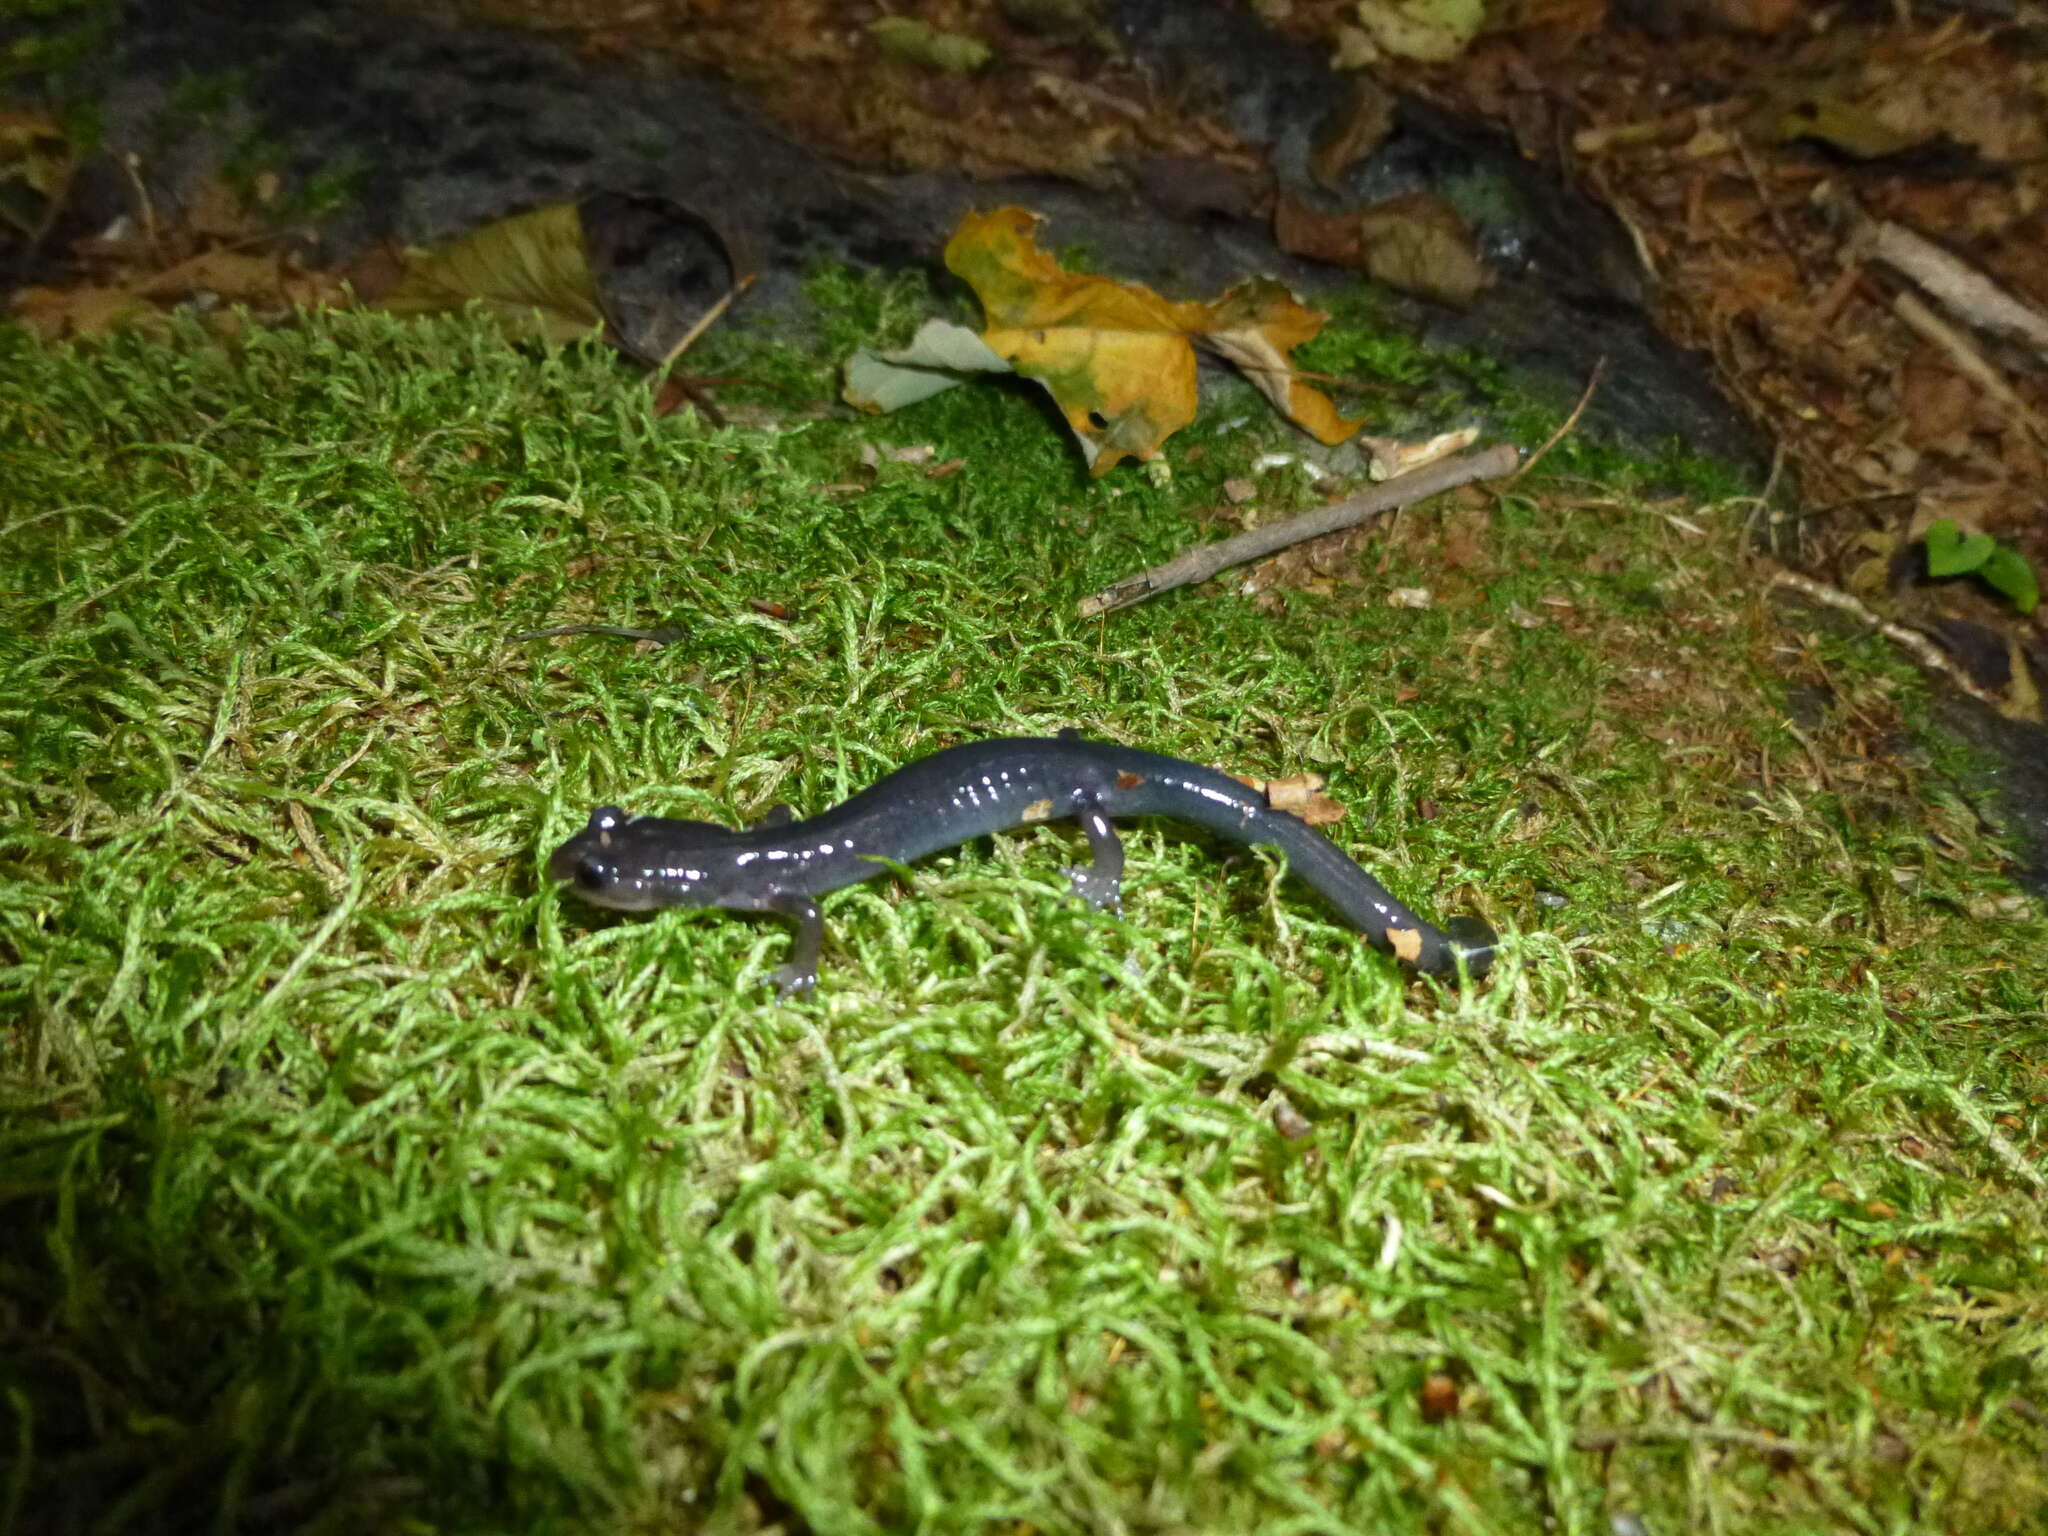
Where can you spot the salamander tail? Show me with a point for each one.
(1474, 942)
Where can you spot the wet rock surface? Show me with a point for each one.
(2014, 782)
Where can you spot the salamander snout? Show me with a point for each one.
(579, 861)
(598, 862)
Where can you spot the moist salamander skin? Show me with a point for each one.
(782, 865)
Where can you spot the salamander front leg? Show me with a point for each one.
(800, 974)
(1101, 882)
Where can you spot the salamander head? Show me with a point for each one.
(639, 863)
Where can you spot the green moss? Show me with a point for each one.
(50, 42)
(349, 1176)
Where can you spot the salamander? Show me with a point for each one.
(783, 865)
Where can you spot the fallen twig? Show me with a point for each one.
(667, 384)
(1708, 1434)
(1550, 442)
(1971, 362)
(1205, 560)
(1960, 287)
(1339, 1043)
(1957, 286)
(621, 631)
(1924, 650)
(703, 324)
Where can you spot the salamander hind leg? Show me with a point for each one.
(1100, 882)
(800, 973)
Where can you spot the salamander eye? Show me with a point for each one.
(589, 875)
(605, 817)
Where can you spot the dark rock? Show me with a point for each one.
(1981, 651)
(447, 125)
(2014, 784)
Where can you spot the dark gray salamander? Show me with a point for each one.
(637, 863)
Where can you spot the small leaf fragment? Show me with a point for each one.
(939, 356)
(1438, 1399)
(36, 163)
(1256, 325)
(1420, 244)
(56, 314)
(1390, 456)
(947, 52)
(2007, 572)
(1417, 242)
(1301, 795)
(1952, 552)
(1289, 1121)
(1351, 131)
(1432, 31)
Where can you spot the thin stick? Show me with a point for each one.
(1585, 398)
(1923, 649)
(703, 324)
(1774, 213)
(370, 739)
(1708, 1434)
(132, 164)
(1205, 560)
(1961, 288)
(621, 631)
(1972, 363)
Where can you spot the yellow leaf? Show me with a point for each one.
(56, 314)
(1256, 325)
(34, 150)
(1118, 359)
(1433, 31)
(1115, 357)
(36, 163)
(947, 52)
